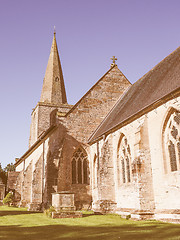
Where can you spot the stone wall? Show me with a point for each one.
(29, 181)
(12, 177)
(106, 172)
(54, 156)
(153, 189)
(27, 185)
(89, 112)
(58, 168)
(42, 119)
(14, 183)
(75, 129)
(166, 183)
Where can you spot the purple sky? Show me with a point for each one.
(140, 33)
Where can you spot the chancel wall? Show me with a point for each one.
(144, 181)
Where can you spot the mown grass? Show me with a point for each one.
(17, 224)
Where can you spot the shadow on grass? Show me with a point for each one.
(6, 213)
(13, 212)
(126, 232)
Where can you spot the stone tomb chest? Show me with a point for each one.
(63, 201)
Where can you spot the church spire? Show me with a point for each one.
(53, 90)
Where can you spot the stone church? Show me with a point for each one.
(117, 149)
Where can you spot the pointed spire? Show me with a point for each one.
(53, 90)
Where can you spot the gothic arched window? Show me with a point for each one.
(79, 167)
(171, 139)
(124, 160)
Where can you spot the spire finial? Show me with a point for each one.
(114, 59)
(54, 30)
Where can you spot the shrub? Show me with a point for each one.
(48, 212)
(128, 217)
(8, 199)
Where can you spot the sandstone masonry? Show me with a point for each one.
(116, 150)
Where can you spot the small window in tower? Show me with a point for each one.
(56, 79)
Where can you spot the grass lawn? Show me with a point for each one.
(17, 224)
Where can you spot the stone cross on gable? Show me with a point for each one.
(114, 59)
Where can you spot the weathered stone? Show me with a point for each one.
(131, 169)
(67, 214)
(63, 201)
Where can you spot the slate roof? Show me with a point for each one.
(159, 82)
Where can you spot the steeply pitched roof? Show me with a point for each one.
(159, 82)
(53, 90)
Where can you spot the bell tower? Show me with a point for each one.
(53, 96)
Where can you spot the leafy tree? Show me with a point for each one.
(3, 175)
(10, 168)
(4, 172)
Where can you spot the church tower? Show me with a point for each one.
(53, 90)
(53, 96)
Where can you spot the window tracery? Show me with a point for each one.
(79, 167)
(172, 141)
(124, 158)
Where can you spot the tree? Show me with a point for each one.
(10, 168)
(3, 175)
(4, 172)
(0, 167)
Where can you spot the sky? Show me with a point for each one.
(140, 33)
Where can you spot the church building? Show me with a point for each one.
(117, 149)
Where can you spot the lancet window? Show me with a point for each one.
(171, 133)
(79, 167)
(124, 160)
